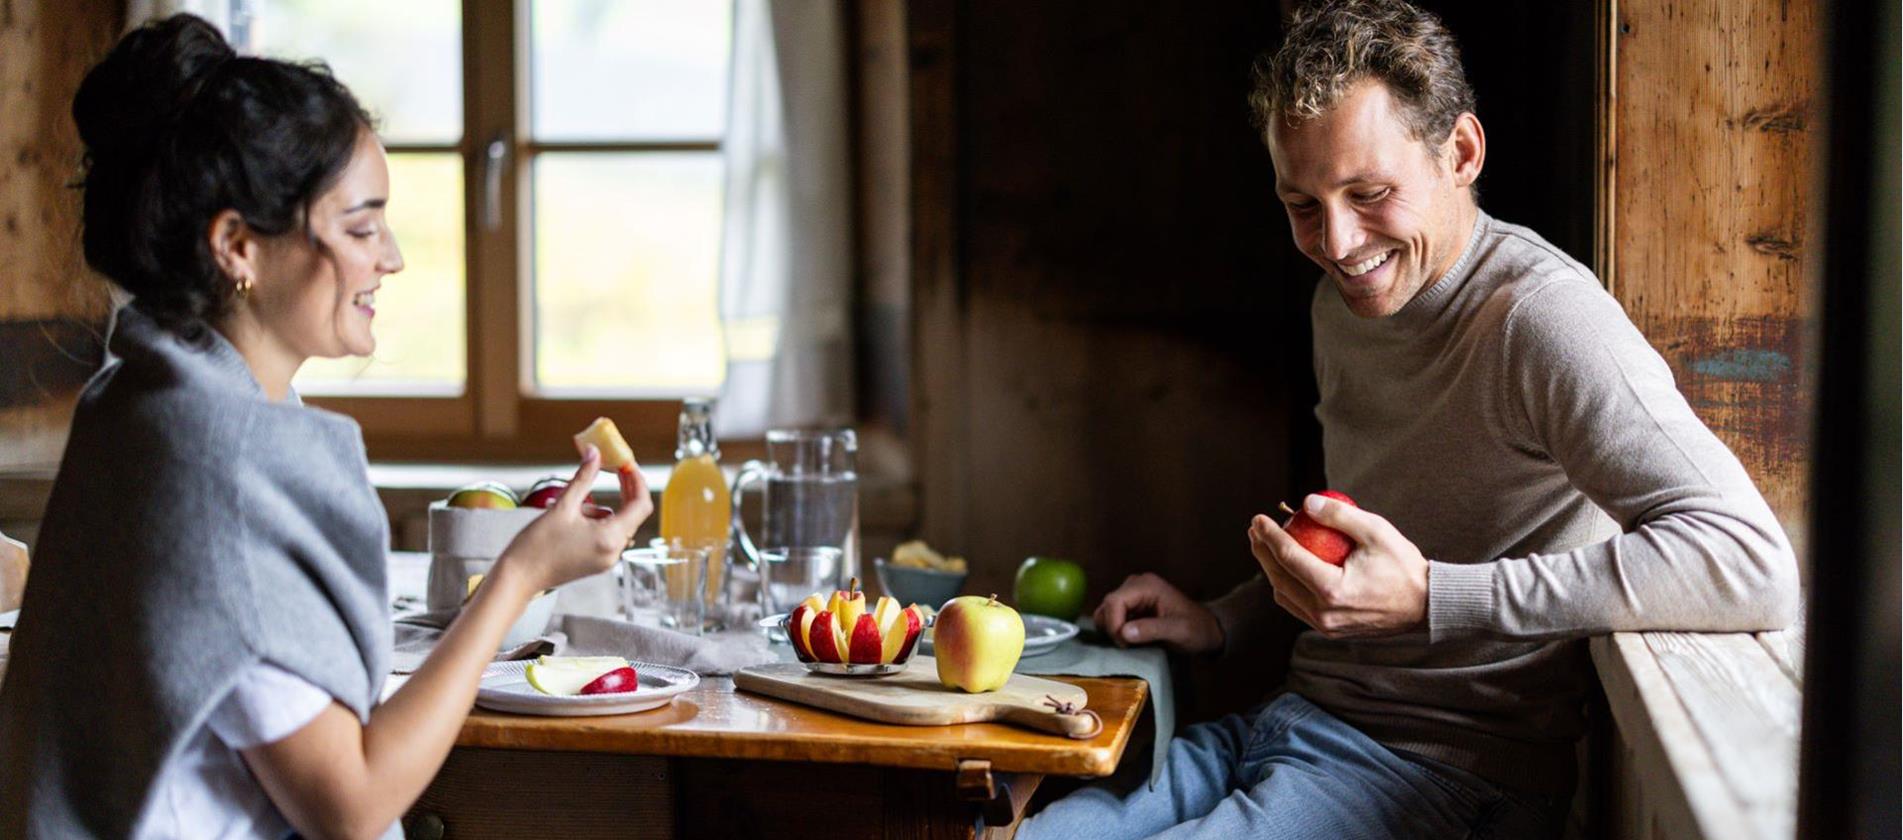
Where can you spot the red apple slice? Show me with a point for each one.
(618, 681)
(825, 639)
(797, 623)
(914, 625)
(866, 645)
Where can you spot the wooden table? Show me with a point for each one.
(721, 763)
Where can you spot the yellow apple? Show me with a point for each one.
(977, 642)
(483, 494)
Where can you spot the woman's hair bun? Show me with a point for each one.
(126, 102)
(178, 129)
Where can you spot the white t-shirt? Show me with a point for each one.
(206, 791)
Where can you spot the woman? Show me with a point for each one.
(206, 631)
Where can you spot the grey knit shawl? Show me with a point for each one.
(195, 527)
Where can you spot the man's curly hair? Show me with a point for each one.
(1333, 44)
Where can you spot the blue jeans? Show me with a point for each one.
(1292, 770)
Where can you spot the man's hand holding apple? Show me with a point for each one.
(1146, 609)
(1381, 588)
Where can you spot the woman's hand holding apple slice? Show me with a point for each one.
(565, 543)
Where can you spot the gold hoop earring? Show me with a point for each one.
(243, 288)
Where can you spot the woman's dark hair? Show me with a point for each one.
(179, 128)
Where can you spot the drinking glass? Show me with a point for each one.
(663, 585)
(788, 574)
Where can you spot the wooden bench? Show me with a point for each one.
(1707, 733)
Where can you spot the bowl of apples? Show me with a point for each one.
(839, 636)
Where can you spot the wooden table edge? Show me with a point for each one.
(889, 746)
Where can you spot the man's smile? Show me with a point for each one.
(1365, 266)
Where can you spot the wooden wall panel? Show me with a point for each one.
(1711, 123)
(1121, 326)
(50, 306)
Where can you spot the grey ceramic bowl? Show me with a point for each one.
(924, 587)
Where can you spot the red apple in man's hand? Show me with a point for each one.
(1330, 545)
(617, 681)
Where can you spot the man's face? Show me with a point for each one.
(1382, 213)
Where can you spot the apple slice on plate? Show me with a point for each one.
(568, 677)
(618, 681)
(557, 682)
(597, 664)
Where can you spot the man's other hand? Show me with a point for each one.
(1147, 609)
(1380, 590)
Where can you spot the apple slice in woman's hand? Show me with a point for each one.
(615, 453)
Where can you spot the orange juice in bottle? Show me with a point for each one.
(696, 508)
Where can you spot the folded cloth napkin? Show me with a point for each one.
(586, 635)
(722, 652)
(1077, 659)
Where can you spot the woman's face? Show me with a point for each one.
(316, 294)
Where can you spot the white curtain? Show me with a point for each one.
(786, 261)
(219, 13)
(231, 17)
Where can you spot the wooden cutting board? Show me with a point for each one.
(913, 697)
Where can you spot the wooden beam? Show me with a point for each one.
(1706, 131)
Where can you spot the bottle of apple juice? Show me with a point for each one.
(696, 508)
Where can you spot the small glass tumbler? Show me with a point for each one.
(789, 574)
(664, 585)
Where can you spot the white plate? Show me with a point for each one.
(505, 690)
(1041, 635)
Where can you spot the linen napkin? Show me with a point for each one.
(585, 635)
(714, 654)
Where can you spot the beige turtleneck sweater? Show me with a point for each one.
(1513, 424)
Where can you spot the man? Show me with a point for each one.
(1528, 476)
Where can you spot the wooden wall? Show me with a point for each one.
(1112, 342)
(1708, 168)
(51, 308)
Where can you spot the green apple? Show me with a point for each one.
(1050, 586)
(483, 494)
(977, 642)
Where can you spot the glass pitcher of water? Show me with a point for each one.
(809, 511)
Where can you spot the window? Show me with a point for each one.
(556, 187)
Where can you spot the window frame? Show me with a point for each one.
(497, 417)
